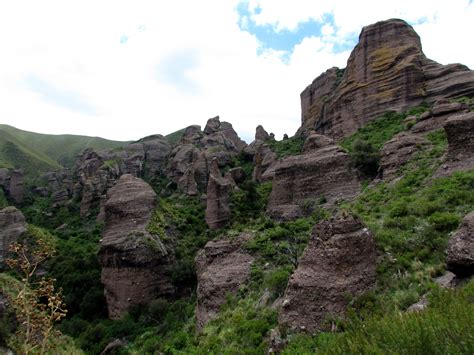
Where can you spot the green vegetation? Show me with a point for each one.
(377, 132)
(175, 137)
(411, 220)
(3, 199)
(15, 154)
(41, 152)
(446, 327)
(365, 157)
(285, 147)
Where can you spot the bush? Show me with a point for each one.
(366, 158)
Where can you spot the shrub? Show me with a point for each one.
(366, 158)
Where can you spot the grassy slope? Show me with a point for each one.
(44, 151)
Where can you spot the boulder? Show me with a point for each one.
(212, 125)
(386, 70)
(461, 248)
(398, 151)
(222, 267)
(326, 173)
(338, 263)
(218, 198)
(135, 263)
(316, 141)
(12, 226)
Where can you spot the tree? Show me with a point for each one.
(37, 305)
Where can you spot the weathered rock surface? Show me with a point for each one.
(460, 132)
(316, 141)
(12, 226)
(218, 198)
(11, 181)
(398, 151)
(324, 173)
(135, 264)
(95, 172)
(461, 248)
(261, 134)
(190, 160)
(221, 267)
(339, 262)
(387, 70)
(264, 160)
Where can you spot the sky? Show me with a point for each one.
(127, 69)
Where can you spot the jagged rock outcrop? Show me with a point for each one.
(387, 70)
(460, 133)
(135, 263)
(95, 172)
(218, 198)
(398, 151)
(338, 263)
(11, 181)
(326, 173)
(191, 159)
(261, 134)
(436, 117)
(461, 248)
(264, 163)
(222, 267)
(12, 226)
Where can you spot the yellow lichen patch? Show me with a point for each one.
(384, 57)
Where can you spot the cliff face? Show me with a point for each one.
(387, 70)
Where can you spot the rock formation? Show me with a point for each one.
(221, 267)
(460, 132)
(398, 151)
(461, 248)
(218, 198)
(12, 226)
(264, 161)
(11, 181)
(324, 173)
(135, 263)
(95, 172)
(339, 262)
(191, 159)
(387, 70)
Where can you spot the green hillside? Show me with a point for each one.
(41, 152)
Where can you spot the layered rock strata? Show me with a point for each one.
(387, 70)
(222, 267)
(135, 263)
(325, 174)
(338, 263)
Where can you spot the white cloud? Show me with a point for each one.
(108, 55)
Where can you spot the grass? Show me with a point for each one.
(445, 327)
(175, 137)
(34, 151)
(286, 147)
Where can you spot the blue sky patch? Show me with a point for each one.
(66, 99)
(174, 70)
(123, 39)
(286, 40)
